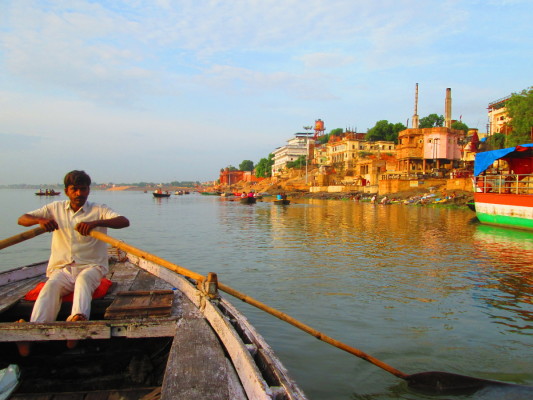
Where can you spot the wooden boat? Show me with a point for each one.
(248, 200)
(161, 332)
(282, 202)
(159, 195)
(47, 193)
(155, 334)
(505, 197)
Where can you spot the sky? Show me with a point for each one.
(162, 90)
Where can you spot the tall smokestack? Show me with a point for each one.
(415, 115)
(448, 109)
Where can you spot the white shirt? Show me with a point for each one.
(68, 245)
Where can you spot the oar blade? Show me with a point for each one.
(445, 382)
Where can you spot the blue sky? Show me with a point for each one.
(162, 90)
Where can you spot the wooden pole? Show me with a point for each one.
(247, 299)
(147, 256)
(10, 241)
(313, 332)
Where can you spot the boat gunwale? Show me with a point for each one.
(217, 313)
(247, 369)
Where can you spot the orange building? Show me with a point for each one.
(424, 150)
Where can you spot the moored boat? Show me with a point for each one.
(282, 202)
(156, 333)
(504, 192)
(248, 200)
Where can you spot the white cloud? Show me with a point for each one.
(202, 74)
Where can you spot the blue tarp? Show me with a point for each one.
(485, 159)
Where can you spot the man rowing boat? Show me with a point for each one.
(78, 261)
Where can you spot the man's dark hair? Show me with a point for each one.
(77, 178)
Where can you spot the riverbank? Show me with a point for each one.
(296, 188)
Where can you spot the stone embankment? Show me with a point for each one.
(297, 189)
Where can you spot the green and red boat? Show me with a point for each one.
(503, 182)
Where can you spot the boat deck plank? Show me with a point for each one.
(12, 292)
(197, 366)
(125, 394)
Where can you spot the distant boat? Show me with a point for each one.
(505, 198)
(47, 193)
(282, 202)
(248, 200)
(161, 194)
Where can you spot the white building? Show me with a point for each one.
(295, 148)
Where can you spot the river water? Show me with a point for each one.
(419, 288)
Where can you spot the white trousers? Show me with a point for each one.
(80, 279)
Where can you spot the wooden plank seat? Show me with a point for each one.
(147, 393)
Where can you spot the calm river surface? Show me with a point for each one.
(420, 288)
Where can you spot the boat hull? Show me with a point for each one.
(282, 202)
(248, 200)
(134, 348)
(507, 210)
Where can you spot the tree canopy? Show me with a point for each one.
(246, 165)
(520, 110)
(496, 141)
(460, 126)
(298, 163)
(336, 132)
(384, 130)
(325, 138)
(431, 121)
(263, 169)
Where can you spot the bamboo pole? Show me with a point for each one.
(10, 241)
(313, 332)
(247, 299)
(147, 256)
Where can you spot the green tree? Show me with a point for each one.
(298, 163)
(432, 120)
(246, 165)
(384, 130)
(336, 132)
(323, 139)
(496, 141)
(520, 110)
(460, 126)
(263, 169)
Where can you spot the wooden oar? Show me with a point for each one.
(10, 241)
(434, 381)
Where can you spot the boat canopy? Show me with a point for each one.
(485, 159)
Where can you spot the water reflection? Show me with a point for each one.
(420, 288)
(506, 285)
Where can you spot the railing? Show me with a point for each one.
(505, 184)
(427, 175)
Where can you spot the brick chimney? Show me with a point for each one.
(448, 109)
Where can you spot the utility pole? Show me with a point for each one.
(307, 128)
